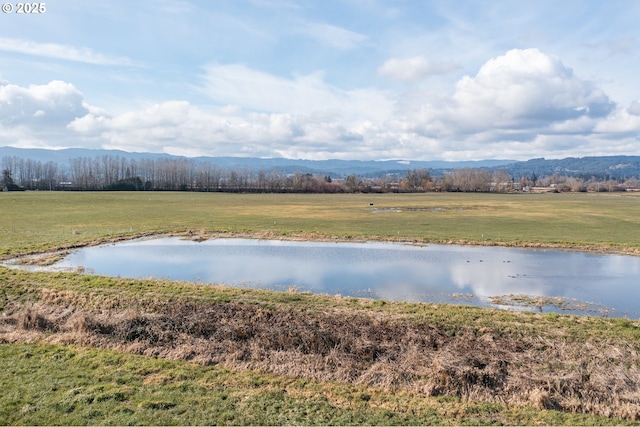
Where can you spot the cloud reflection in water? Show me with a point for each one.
(432, 273)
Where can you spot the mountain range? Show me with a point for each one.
(333, 167)
(601, 167)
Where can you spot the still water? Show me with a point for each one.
(483, 276)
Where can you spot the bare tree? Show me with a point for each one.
(351, 184)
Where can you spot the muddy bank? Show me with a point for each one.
(337, 344)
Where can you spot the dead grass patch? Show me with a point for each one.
(42, 260)
(361, 347)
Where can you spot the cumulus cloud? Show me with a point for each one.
(625, 121)
(526, 88)
(522, 104)
(516, 95)
(519, 105)
(415, 68)
(36, 116)
(40, 107)
(178, 127)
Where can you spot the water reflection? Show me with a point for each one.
(433, 273)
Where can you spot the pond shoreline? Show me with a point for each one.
(205, 235)
(494, 277)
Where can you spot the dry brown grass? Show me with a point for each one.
(361, 347)
(42, 260)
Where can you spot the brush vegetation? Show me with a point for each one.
(80, 349)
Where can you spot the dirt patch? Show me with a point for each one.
(357, 347)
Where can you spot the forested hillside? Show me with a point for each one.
(601, 168)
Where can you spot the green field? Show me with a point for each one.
(80, 350)
(35, 221)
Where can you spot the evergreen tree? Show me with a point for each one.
(7, 183)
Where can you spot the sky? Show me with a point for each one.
(325, 79)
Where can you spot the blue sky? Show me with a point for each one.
(360, 79)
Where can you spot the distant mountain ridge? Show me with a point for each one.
(601, 167)
(333, 167)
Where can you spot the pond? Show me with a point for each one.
(544, 280)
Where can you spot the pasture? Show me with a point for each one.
(77, 349)
(37, 221)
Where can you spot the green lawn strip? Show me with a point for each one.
(66, 385)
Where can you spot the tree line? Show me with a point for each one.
(116, 173)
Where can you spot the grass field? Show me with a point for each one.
(35, 221)
(79, 350)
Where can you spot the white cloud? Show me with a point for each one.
(332, 36)
(40, 106)
(58, 51)
(519, 105)
(414, 68)
(625, 121)
(238, 84)
(516, 95)
(179, 127)
(526, 88)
